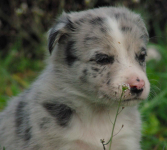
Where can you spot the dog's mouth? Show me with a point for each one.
(132, 99)
(129, 100)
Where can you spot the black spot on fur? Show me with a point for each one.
(80, 21)
(108, 75)
(70, 25)
(61, 112)
(52, 38)
(103, 30)
(23, 128)
(93, 38)
(108, 82)
(121, 15)
(19, 112)
(83, 77)
(88, 39)
(97, 21)
(85, 72)
(126, 29)
(94, 75)
(95, 69)
(70, 58)
(27, 135)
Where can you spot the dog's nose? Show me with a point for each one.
(136, 85)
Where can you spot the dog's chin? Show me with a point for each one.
(131, 102)
(125, 102)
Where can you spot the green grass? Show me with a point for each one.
(18, 71)
(16, 74)
(153, 110)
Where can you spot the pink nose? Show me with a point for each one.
(135, 82)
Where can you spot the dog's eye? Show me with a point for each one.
(104, 59)
(142, 55)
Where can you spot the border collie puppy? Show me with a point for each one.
(73, 103)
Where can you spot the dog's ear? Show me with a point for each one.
(60, 31)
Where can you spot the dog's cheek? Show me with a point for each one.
(93, 75)
(84, 75)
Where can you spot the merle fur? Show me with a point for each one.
(70, 25)
(97, 21)
(126, 29)
(52, 38)
(69, 52)
(44, 122)
(117, 16)
(61, 112)
(95, 69)
(22, 119)
(103, 29)
(85, 72)
(88, 38)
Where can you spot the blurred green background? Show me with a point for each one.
(23, 47)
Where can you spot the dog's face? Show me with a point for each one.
(99, 50)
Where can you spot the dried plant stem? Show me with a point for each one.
(124, 88)
(119, 104)
(104, 147)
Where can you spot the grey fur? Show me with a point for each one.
(72, 103)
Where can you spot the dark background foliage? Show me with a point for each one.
(23, 46)
(26, 20)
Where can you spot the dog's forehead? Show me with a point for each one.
(104, 28)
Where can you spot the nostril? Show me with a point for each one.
(138, 79)
(135, 90)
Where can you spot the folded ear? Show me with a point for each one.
(60, 30)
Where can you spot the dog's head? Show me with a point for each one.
(96, 51)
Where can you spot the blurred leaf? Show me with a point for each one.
(20, 80)
(153, 126)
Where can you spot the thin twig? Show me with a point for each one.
(104, 147)
(121, 110)
(102, 141)
(115, 121)
(124, 88)
(119, 130)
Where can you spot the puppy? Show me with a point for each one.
(73, 103)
